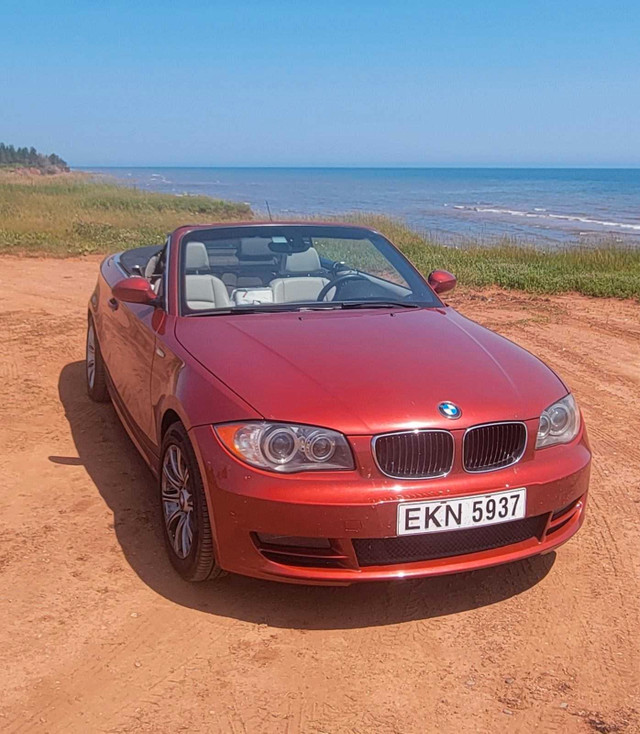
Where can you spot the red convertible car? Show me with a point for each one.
(315, 413)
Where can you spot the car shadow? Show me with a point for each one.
(128, 488)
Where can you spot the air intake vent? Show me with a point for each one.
(409, 549)
(414, 454)
(494, 446)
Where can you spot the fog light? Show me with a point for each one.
(293, 541)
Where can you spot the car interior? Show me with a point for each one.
(250, 274)
(258, 270)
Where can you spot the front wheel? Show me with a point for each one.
(187, 529)
(94, 366)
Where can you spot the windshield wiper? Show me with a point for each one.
(319, 306)
(269, 308)
(380, 304)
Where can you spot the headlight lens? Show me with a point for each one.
(559, 423)
(286, 447)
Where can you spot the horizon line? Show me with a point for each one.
(625, 167)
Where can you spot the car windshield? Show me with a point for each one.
(294, 267)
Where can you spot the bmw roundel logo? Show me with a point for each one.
(449, 410)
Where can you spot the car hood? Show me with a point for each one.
(370, 371)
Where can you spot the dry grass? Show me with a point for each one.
(73, 214)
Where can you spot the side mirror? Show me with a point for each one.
(134, 290)
(441, 281)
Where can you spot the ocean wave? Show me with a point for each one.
(537, 214)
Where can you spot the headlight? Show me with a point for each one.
(559, 423)
(285, 447)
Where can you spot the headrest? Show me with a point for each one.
(255, 248)
(196, 256)
(303, 262)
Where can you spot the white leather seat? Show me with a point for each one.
(303, 262)
(286, 290)
(205, 292)
(196, 258)
(150, 273)
(150, 267)
(299, 288)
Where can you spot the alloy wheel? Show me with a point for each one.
(91, 356)
(177, 501)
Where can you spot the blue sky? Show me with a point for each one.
(284, 82)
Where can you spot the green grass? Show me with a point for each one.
(73, 215)
(604, 271)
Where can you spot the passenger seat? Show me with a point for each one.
(202, 291)
(205, 292)
(196, 259)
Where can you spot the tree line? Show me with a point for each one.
(11, 157)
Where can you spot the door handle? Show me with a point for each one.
(113, 304)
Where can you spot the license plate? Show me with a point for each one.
(437, 516)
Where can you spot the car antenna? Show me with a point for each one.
(269, 210)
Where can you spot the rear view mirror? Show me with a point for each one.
(442, 281)
(134, 290)
(287, 246)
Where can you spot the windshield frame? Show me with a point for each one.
(386, 248)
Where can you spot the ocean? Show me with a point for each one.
(551, 206)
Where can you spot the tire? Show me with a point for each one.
(183, 508)
(94, 367)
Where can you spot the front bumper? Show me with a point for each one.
(361, 506)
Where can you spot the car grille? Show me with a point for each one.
(414, 454)
(493, 446)
(408, 549)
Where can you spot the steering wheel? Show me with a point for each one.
(338, 282)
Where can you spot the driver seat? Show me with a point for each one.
(297, 287)
(287, 290)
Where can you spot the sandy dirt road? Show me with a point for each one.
(99, 635)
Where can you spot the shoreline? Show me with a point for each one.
(77, 213)
(550, 208)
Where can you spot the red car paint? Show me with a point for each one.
(358, 372)
(442, 281)
(133, 290)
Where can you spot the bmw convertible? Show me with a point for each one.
(314, 412)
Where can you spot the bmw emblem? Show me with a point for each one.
(449, 410)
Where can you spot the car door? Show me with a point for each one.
(132, 343)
